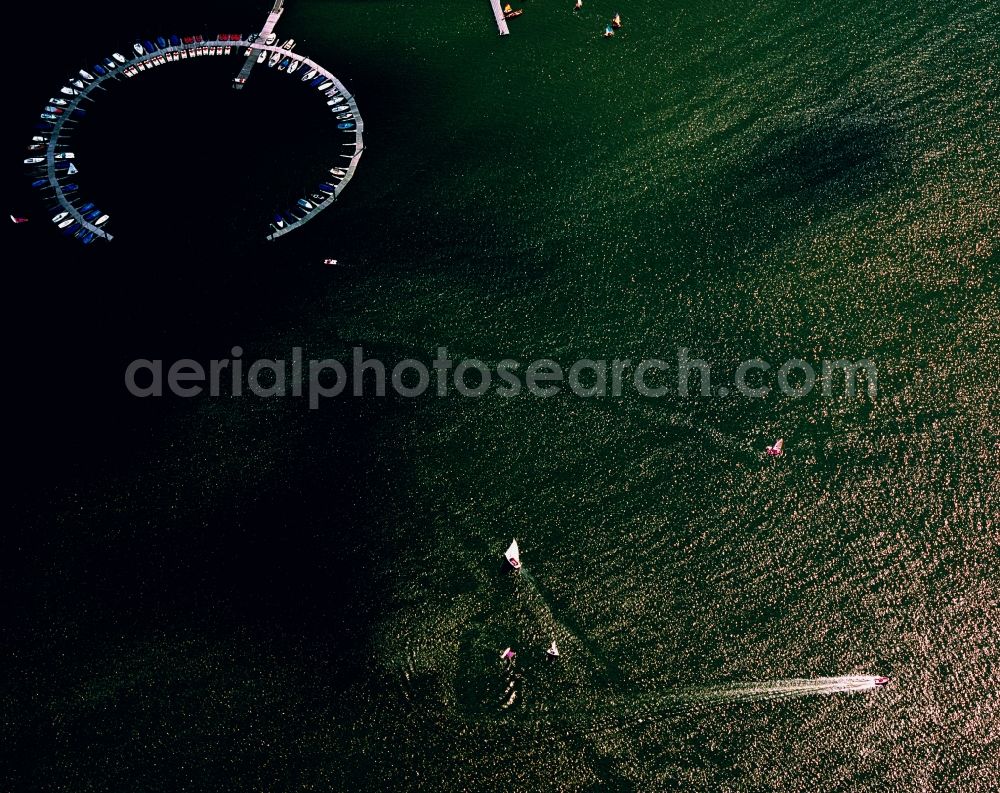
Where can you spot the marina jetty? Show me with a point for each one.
(53, 165)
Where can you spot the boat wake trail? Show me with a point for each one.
(776, 689)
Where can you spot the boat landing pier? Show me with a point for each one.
(501, 20)
(272, 19)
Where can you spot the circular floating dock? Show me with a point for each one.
(52, 164)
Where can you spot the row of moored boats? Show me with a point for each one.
(303, 207)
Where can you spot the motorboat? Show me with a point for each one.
(65, 155)
(294, 65)
(149, 46)
(507, 655)
(616, 21)
(288, 44)
(343, 116)
(345, 125)
(57, 110)
(338, 172)
(284, 64)
(87, 207)
(279, 223)
(87, 75)
(271, 38)
(65, 223)
(274, 59)
(328, 188)
(777, 449)
(60, 217)
(337, 108)
(137, 49)
(101, 220)
(34, 160)
(882, 682)
(110, 64)
(578, 6)
(69, 91)
(308, 75)
(99, 70)
(78, 84)
(161, 42)
(262, 57)
(509, 13)
(513, 555)
(316, 81)
(304, 203)
(119, 57)
(39, 183)
(327, 84)
(331, 262)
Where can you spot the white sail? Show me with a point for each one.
(513, 555)
(553, 650)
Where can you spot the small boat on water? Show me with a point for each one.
(34, 160)
(330, 261)
(609, 32)
(777, 449)
(304, 203)
(137, 49)
(15, 219)
(284, 64)
(38, 183)
(278, 222)
(337, 108)
(507, 655)
(509, 13)
(513, 555)
(616, 21)
(578, 6)
(262, 57)
(345, 125)
(338, 172)
(87, 207)
(308, 75)
(882, 682)
(553, 651)
(101, 220)
(275, 57)
(119, 57)
(86, 75)
(65, 223)
(344, 116)
(99, 70)
(271, 38)
(294, 65)
(327, 188)
(288, 44)
(325, 85)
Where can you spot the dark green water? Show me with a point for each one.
(245, 595)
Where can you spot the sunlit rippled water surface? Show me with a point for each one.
(743, 179)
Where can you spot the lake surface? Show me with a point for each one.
(243, 594)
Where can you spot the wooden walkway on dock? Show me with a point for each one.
(270, 22)
(501, 20)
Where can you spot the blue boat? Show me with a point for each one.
(150, 47)
(327, 188)
(304, 204)
(345, 125)
(175, 41)
(278, 220)
(40, 183)
(284, 64)
(88, 238)
(87, 207)
(71, 187)
(110, 64)
(161, 42)
(92, 215)
(316, 81)
(99, 70)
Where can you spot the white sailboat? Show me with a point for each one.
(513, 555)
(778, 449)
(553, 651)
